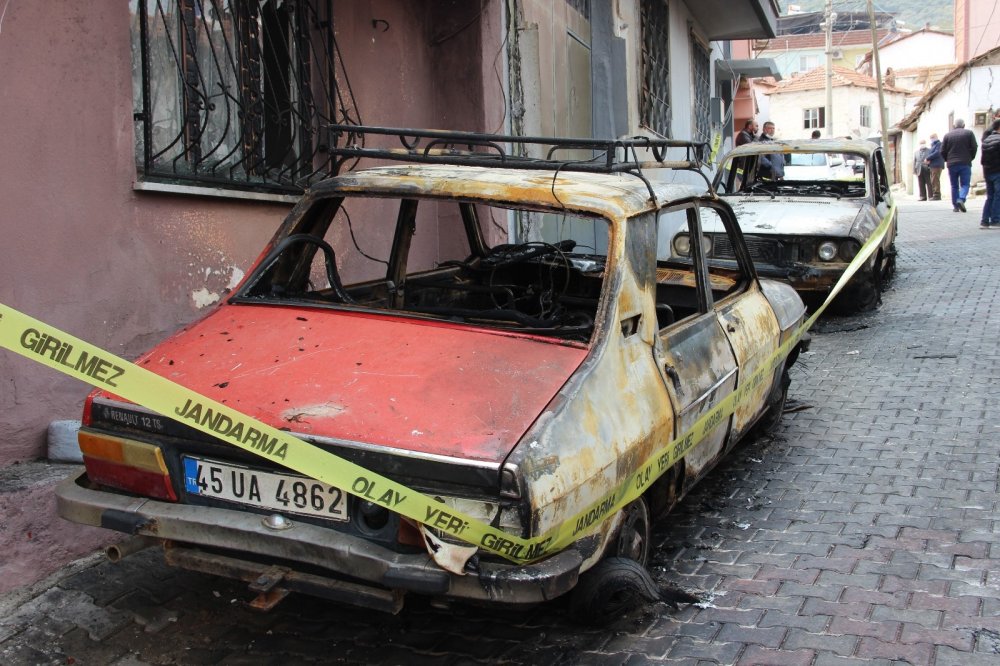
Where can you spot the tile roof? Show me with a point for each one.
(815, 79)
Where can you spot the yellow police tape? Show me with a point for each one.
(35, 340)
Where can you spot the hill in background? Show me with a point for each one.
(915, 13)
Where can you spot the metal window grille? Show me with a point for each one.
(654, 103)
(702, 97)
(236, 93)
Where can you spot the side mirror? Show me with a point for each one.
(837, 161)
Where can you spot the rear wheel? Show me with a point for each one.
(613, 587)
(635, 533)
(620, 582)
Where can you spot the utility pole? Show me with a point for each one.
(889, 157)
(830, 16)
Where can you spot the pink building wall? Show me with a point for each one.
(977, 28)
(84, 251)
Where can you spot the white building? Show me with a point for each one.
(798, 105)
(971, 92)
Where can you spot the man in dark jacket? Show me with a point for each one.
(991, 173)
(748, 133)
(958, 148)
(772, 167)
(936, 165)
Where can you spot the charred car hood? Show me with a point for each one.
(792, 216)
(428, 387)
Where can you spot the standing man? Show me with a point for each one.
(922, 171)
(748, 133)
(991, 172)
(936, 165)
(958, 148)
(772, 166)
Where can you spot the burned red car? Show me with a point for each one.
(517, 382)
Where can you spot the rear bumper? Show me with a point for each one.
(247, 542)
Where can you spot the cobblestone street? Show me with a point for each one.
(863, 531)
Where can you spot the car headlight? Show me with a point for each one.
(849, 249)
(827, 251)
(682, 245)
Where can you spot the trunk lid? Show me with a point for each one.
(424, 386)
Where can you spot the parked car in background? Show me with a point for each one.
(518, 381)
(806, 228)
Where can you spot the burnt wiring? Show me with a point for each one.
(350, 228)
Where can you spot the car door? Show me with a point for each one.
(746, 318)
(692, 352)
(882, 195)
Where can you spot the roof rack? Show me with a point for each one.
(487, 150)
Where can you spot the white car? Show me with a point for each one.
(806, 228)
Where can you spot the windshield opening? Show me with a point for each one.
(430, 259)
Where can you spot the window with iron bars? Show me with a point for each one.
(236, 94)
(702, 94)
(654, 102)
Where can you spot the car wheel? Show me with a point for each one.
(775, 408)
(889, 266)
(635, 532)
(611, 588)
(862, 294)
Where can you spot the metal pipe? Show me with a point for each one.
(119, 551)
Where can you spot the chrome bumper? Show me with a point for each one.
(343, 555)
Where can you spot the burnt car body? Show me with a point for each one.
(806, 228)
(517, 383)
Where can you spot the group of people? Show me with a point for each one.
(772, 167)
(957, 150)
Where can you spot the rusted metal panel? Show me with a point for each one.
(614, 196)
(802, 217)
(431, 387)
(753, 332)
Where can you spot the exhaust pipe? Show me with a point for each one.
(119, 551)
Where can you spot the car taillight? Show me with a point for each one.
(127, 465)
(88, 408)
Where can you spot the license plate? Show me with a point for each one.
(283, 493)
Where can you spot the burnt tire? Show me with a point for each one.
(635, 533)
(863, 294)
(612, 587)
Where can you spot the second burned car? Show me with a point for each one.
(806, 228)
(517, 381)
